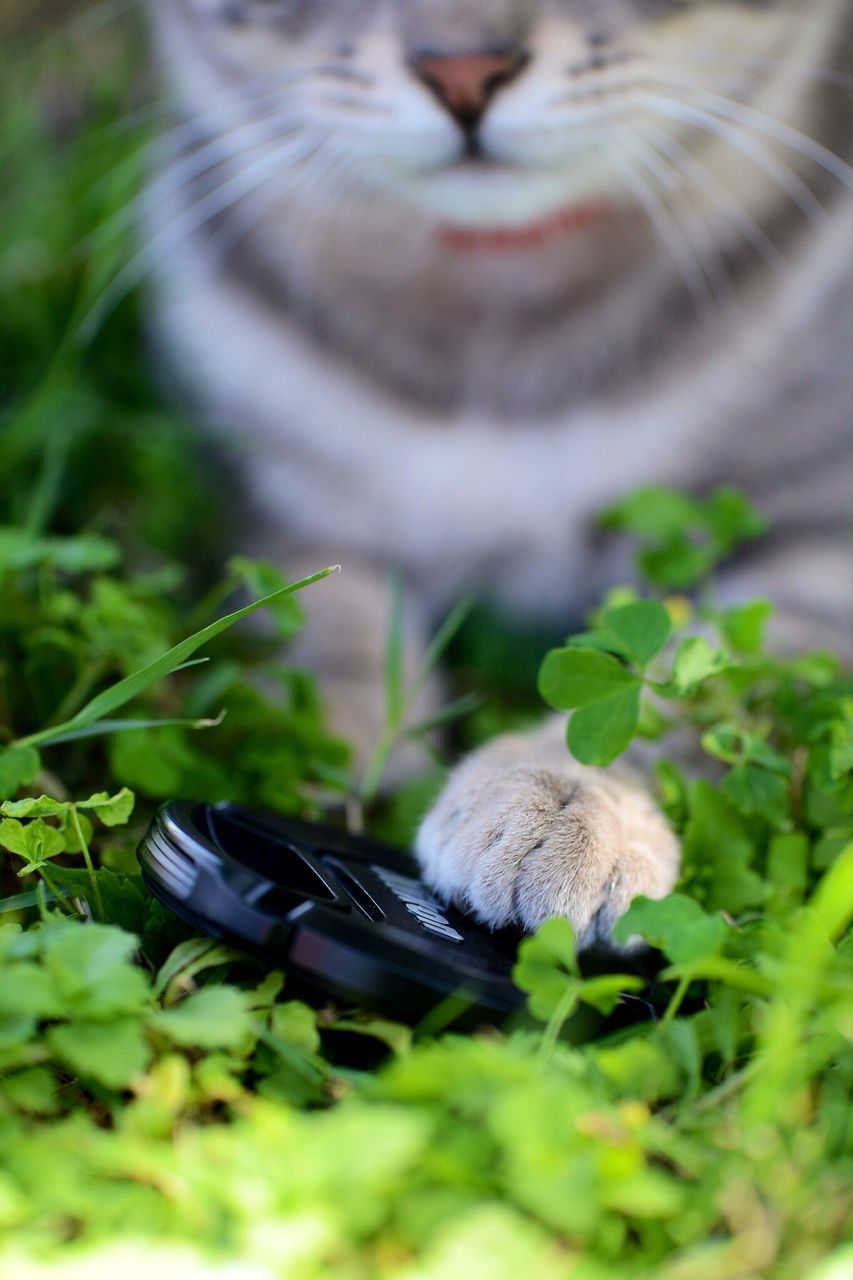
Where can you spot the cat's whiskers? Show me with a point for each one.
(791, 66)
(176, 173)
(207, 133)
(306, 248)
(668, 229)
(693, 170)
(188, 221)
(181, 170)
(760, 122)
(706, 250)
(748, 145)
(241, 218)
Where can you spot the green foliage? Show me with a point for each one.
(683, 538)
(603, 690)
(167, 1106)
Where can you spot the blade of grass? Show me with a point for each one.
(400, 699)
(436, 649)
(133, 685)
(394, 690)
(120, 726)
(453, 711)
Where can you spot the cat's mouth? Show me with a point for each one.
(536, 234)
(489, 207)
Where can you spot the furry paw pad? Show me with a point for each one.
(516, 843)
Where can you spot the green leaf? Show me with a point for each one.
(103, 704)
(676, 925)
(788, 867)
(395, 1035)
(295, 1024)
(639, 1068)
(732, 518)
(395, 693)
(605, 992)
(572, 678)
(601, 732)
(546, 963)
(757, 792)
(654, 512)
(37, 841)
(214, 1018)
(608, 698)
(82, 553)
(841, 741)
(112, 1053)
(718, 853)
(744, 627)
(92, 967)
(672, 786)
(112, 811)
(695, 662)
(33, 1090)
(636, 631)
(176, 974)
(18, 768)
(684, 537)
(642, 628)
(676, 565)
(35, 807)
(28, 988)
(734, 745)
(265, 579)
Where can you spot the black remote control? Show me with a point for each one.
(348, 915)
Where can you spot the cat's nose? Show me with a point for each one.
(465, 83)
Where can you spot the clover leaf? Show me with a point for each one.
(676, 925)
(547, 961)
(604, 695)
(636, 631)
(547, 969)
(744, 626)
(695, 662)
(213, 1018)
(112, 1053)
(718, 852)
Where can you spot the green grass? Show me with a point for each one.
(165, 1105)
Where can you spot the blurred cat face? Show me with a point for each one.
(501, 126)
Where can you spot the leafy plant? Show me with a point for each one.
(168, 1106)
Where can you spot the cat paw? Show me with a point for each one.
(515, 842)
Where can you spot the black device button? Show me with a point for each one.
(361, 897)
(281, 862)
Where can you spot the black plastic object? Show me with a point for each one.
(347, 915)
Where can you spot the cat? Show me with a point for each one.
(455, 274)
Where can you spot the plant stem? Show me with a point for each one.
(378, 762)
(54, 889)
(557, 1021)
(87, 858)
(676, 1001)
(41, 900)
